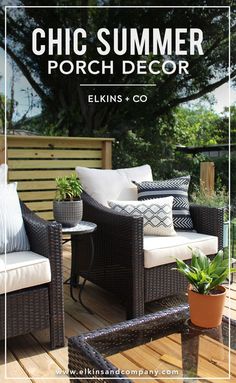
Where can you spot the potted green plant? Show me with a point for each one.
(206, 295)
(217, 199)
(68, 206)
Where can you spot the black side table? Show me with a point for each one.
(83, 228)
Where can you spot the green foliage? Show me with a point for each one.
(232, 122)
(133, 150)
(204, 274)
(145, 133)
(219, 198)
(198, 126)
(68, 188)
(225, 121)
(155, 143)
(11, 108)
(64, 101)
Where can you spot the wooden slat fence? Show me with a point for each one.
(35, 161)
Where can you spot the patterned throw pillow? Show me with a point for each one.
(176, 187)
(156, 213)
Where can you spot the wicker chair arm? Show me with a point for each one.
(105, 212)
(119, 225)
(118, 248)
(208, 220)
(121, 232)
(45, 237)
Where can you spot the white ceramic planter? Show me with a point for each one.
(68, 213)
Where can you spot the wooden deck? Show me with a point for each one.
(30, 358)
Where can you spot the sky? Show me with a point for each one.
(21, 85)
(221, 94)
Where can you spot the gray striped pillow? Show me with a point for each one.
(176, 187)
(11, 221)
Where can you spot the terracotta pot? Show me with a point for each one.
(206, 310)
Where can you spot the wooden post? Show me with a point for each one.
(207, 177)
(107, 154)
(2, 150)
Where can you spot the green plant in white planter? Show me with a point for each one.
(68, 206)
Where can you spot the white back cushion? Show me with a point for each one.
(106, 185)
(3, 174)
(11, 221)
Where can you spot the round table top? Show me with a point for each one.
(83, 227)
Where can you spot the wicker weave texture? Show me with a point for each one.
(42, 306)
(22, 311)
(119, 258)
(88, 351)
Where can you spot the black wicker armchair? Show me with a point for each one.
(41, 306)
(119, 257)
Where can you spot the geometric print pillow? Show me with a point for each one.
(176, 187)
(156, 213)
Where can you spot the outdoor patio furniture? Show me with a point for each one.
(40, 306)
(139, 348)
(119, 260)
(82, 229)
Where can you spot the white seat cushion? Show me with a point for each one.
(23, 269)
(107, 185)
(161, 250)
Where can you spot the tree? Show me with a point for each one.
(225, 122)
(199, 126)
(13, 119)
(196, 126)
(10, 105)
(64, 101)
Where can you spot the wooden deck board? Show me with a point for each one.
(30, 356)
(35, 359)
(207, 353)
(211, 350)
(122, 362)
(149, 359)
(13, 369)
